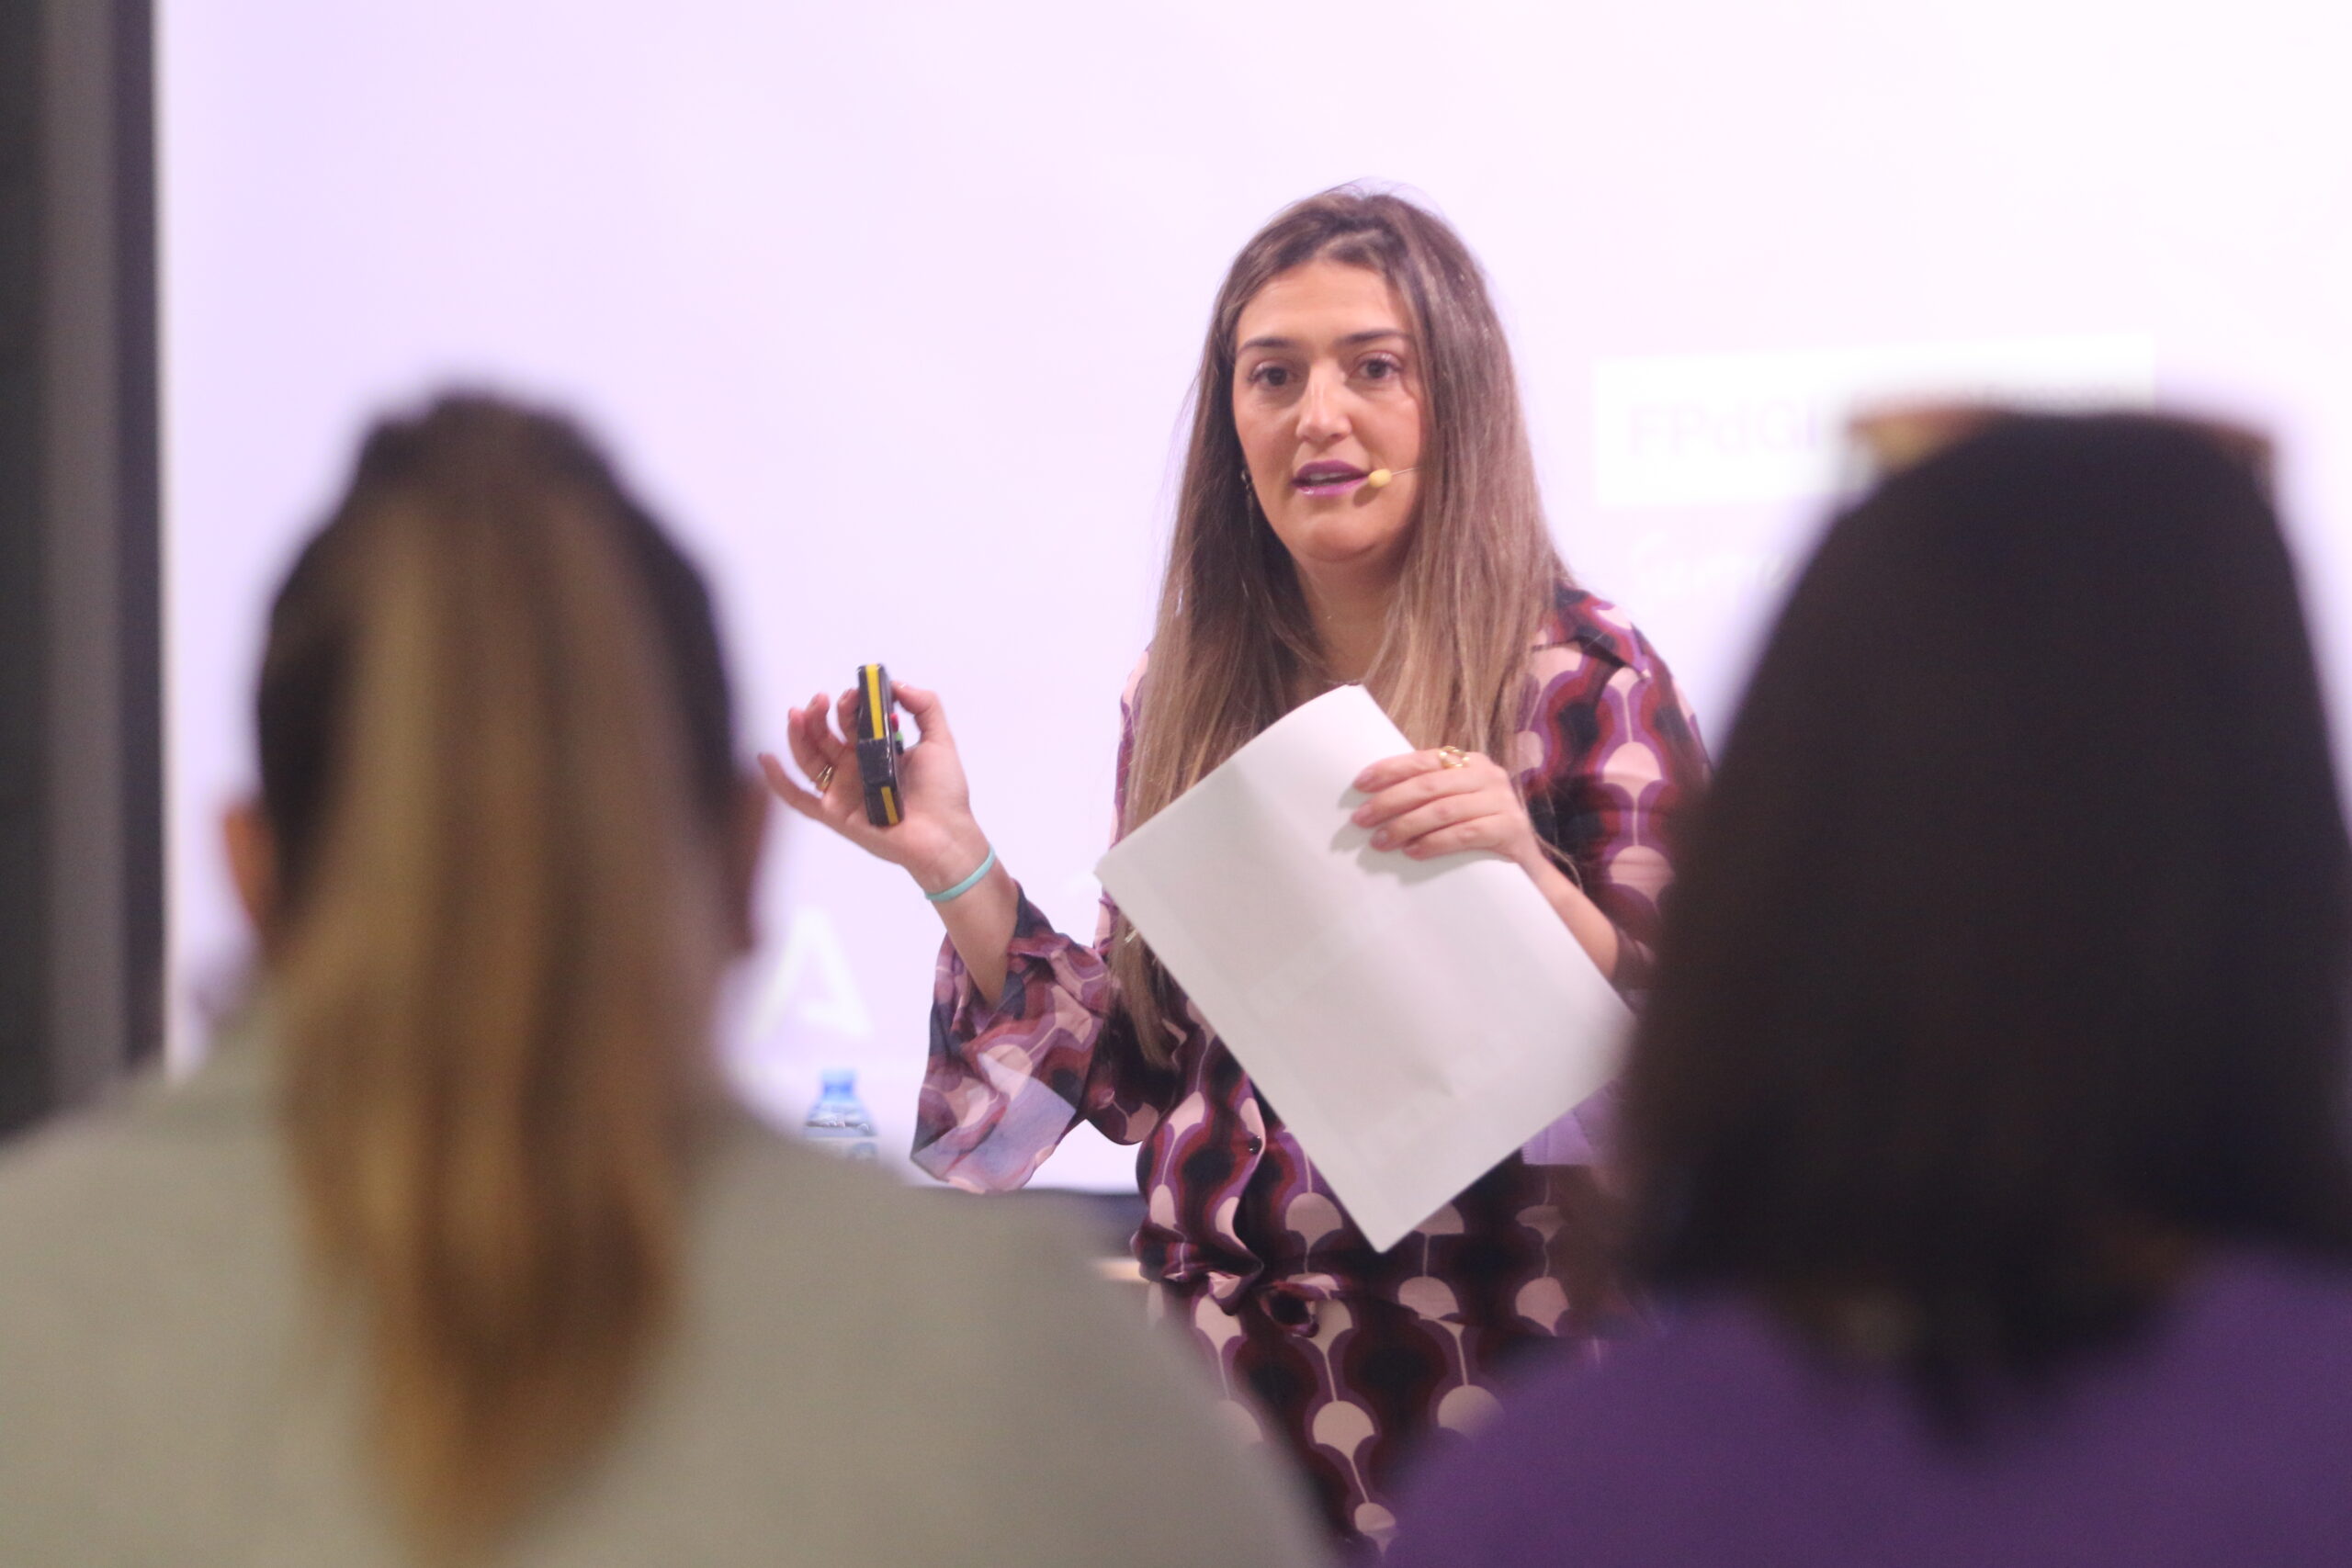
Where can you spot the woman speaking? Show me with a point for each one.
(1359, 505)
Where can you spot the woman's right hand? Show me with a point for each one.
(936, 840)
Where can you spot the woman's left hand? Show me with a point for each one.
(1443, 802)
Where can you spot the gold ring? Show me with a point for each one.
(825, 778)
(1452, 757)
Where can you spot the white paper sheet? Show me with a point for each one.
(1412, 1021)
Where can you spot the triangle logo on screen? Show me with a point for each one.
(811, 983)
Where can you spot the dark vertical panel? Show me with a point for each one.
(80, 545)
(81, 920)
(24, 1069)
(138, 460)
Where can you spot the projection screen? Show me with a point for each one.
(892, 309)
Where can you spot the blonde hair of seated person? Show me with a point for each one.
(499, 870)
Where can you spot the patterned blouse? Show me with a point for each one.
(1331, 1344)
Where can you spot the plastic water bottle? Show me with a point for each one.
(838, 1122)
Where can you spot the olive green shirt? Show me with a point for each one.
(862, 1374)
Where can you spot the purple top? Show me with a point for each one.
(2223, 1433)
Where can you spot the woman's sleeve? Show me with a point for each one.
(1626, 760)
(1006, 1080)
(1619, 758)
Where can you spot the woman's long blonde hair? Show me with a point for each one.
(497, 764)
(1234, 648)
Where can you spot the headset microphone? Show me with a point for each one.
(1378, 479)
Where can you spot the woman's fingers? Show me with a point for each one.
(778, 780)
(1441, 801)
(815, 715)
(813, 746)
(819, 778)
(1493, 834)
(1419, 788)
(1393, 770)
(789, 791)
(1460, 821)
(1411, 765)
(930, 714)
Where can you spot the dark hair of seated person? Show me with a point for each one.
(2007, 969)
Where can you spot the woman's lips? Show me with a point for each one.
(1327, 479)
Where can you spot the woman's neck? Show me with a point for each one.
(1350, 617)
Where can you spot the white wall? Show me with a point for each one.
(908, 296)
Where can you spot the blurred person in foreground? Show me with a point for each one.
(1988, 1123)
(455, 1251)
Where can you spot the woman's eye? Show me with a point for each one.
(1270, 376)
(1380, 367)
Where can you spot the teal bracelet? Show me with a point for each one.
(969, 883)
